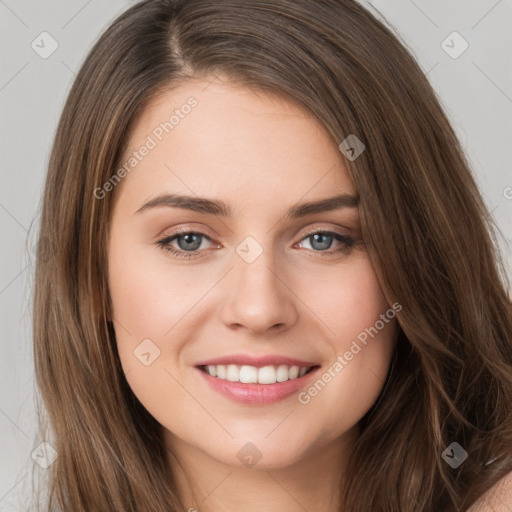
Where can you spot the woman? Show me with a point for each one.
(273, 283)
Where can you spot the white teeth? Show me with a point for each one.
(267, 375)
(252, 375)
(294, 372)
(221, 371)
(249, 374)
(232, 373)
(282, 373)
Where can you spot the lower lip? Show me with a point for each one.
(257, 393)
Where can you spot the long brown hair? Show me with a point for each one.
(427, 230)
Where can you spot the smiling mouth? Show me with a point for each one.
(247, 374)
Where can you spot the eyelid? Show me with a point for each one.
(348, 240)
(185, 230)
(324, 229)
(207, 233)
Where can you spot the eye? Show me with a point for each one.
(190, 243)
(322, 241)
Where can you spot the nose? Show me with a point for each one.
(259, 298)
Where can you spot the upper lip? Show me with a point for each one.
(257, 361)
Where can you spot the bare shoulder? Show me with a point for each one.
(497, 499)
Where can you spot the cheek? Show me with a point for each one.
(156, 301)
(149, 297)
(148, 302)
(139, 298)
(348, 301)
(362, 332)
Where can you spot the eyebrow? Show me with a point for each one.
(217, 207)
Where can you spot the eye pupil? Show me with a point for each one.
(318, 237)
(190, 240)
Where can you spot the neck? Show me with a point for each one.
(312, 482)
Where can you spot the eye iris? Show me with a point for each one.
(319, 236)
(190, 240)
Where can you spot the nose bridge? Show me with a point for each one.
(259, 298)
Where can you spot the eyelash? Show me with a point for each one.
(164, 243)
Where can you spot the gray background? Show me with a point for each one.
(475, 90)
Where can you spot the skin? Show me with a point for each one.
(261, 155)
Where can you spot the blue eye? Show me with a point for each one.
(189, 243)
(324, 240)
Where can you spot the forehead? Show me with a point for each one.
(216, 138)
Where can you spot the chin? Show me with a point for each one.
(258, 452)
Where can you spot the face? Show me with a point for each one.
(249, 323)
